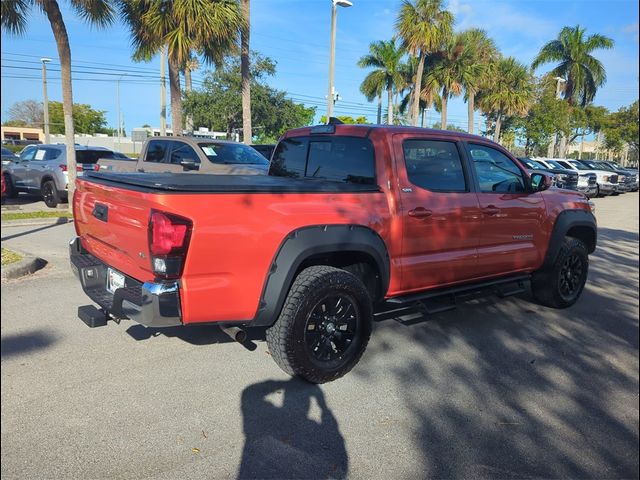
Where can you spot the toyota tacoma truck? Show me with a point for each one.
(350, 221)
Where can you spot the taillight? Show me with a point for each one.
(64, 168)
(168, 242)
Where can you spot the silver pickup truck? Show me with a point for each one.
(190, 154)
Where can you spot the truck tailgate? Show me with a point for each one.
(112, 224)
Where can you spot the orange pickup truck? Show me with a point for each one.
(350, 219)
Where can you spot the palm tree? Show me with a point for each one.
(481, 53)
(509, 94)
(244, 72)
(385, 57)
(423, 27)
(429, 91)
(583, 73)
(373, 90)
(209, 29)
(191, 65)
(14, 16)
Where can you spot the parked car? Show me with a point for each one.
(190, 154)
(625, 179)
(42, 169)
(632, 172)
(587, 182)
(562, 178)
(12, 141)
(8, 156)
(607, 183)
(265, 150)
(349, 217)
(4, 186)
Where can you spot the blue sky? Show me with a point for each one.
(295, 33)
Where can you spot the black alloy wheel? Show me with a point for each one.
(331, 329)
(571, 274)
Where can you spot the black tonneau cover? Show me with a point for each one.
(204, 183)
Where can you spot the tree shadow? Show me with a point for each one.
(290, 432)
(23, 343)
(506, 388)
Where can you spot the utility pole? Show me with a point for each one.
(163, 94)
(45, 100)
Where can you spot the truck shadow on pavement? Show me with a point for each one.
(511, 389)
(290, 432)
(23, 343)
(193, 334)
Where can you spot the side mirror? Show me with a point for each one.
(540, 182)
(189, 165)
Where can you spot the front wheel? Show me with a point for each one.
(324, 326)
(50, 194)
(561, 285)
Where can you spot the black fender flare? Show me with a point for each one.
(306, 242)
(565, 221)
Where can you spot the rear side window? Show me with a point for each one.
(156, 151)
(337, 159)
(434, 165)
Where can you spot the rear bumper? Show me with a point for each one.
(150, 304)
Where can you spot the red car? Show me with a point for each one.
(351, 218)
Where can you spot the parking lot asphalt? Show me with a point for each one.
(498, 388)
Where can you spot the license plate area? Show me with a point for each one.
(115, 280)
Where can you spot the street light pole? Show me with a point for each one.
(163, 94)
(119, 114)
(559, 81)
(45, 100)
(332, 53)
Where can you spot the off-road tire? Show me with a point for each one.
(287, 338)
(50, 194)
(10, 188)
(546, 285)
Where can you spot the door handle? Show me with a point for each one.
(491, 210)
(420, 212)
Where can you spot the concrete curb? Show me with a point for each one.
(31, 222)
(26, 266)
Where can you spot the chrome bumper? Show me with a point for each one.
(150, 304)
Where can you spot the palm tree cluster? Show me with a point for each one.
(427, 63)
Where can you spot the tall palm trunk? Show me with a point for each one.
(188, 86)
(496, 132)
(415, 107)
(246, 76)
(443, 111)
(390, 107)
(470, 110)
(54, 15)
(176, 97)
(379, 108)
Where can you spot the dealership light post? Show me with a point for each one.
(120, 133)
(559, 82)
(332, 54)
(45, 99)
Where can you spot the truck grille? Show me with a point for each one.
(613, 179)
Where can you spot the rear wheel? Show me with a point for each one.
(561, 285)
(10, 188)
(50, 194)
(324, 326)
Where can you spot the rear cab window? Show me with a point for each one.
(434, 165)
(332, 158)
(157, 151)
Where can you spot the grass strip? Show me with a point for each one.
(9, 257)
(28, 215)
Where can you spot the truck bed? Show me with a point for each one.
(209, 183)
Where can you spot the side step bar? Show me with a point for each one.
(503, 287)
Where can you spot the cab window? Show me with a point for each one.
(496, 172)
(434, 165)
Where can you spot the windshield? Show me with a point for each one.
(532, 164)
(580, 166)
(555, 164)
(232, 154)
(596, 166)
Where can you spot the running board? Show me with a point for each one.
(504, 287)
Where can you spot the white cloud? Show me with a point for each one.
(632, 28)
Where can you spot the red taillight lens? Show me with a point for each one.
(64, 168)
(166, 235)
